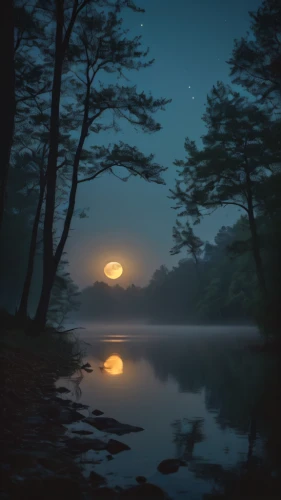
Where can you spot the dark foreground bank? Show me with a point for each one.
(38, 456)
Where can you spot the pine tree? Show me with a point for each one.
(256, 59)
(238, 155)
(87, 43)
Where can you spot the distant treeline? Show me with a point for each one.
(219, 287)
(51, 119)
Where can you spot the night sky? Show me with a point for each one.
(132, 222)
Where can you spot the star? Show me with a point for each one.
(193, 97)
(189, 87)
(141, 24)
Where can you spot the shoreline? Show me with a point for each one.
(41, 457)
(37, 453)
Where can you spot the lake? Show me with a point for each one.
(195, 391)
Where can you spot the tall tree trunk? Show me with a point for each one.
(73, 190)
(7, 96)
(43, 305)
(255, 240)
(49, 268)
(23, 308)
(48, 284)
(41, 315)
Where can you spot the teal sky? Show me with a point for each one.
(132, 222)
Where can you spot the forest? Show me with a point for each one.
(51, 89)
(218, 287)
(71, 77)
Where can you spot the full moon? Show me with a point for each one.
(113, 365)
(113, 270)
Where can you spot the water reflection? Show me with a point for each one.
(187, 432)
(221, 366)
(113, 341)
(113, 365)
(226, 390)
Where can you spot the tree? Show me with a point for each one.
(30, 86)
(256, 65)
(90, 43)
(237, 155)
(256, 60)
(31, 150)
(159, 277)
(16, 231)
(184, 237)
(7, 98)
(225, 292)
(228, 283)
(20, 30)
(65, 296)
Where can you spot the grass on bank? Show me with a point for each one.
(63, 350)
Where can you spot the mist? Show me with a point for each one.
(201, 291)
(140, 244)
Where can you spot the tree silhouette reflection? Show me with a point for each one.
(187, 433)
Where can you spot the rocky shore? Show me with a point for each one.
(39, 456)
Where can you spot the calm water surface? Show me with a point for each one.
(192, 389)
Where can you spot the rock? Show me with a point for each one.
(86, 365)
(98, 413)
(96, 479)
(62, 402)
(62, 390)
(142, 492)
(169, 466)
(114, 446)
(82, 432)
(79, 406)
(67, 416)
(80, 445)
(141, 479)
(111, 425)
(92, 462)
(109, 457)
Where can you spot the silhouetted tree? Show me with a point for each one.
(159, 277)
(17, 227)
(31, 151)
(92, 42)
(184, 237)
(225, 292)
(39, 162)
(7, 97)
(238, 155)
(256, 59)
(65, 296)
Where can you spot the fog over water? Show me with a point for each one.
(191, 388)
